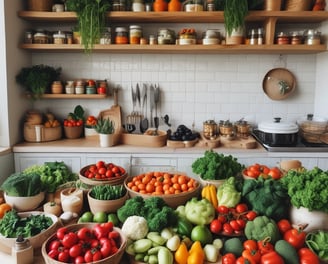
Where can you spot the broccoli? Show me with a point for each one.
(154, 209)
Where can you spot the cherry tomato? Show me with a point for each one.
(79, 260)
(241, 222)
(241, 208)
(100, 164)
(69, 239)
(222, 209)
(215, 226)
(53, 253)
(75, 250)
(251, 215)
(115, 170)
(275, 173)
(222, 219)
(63, 256)
(227, 228)
(109, 174)
(284, 225)
(55, 244)
(84, 233)
(102, 171)
(228, 258)
(61, 232)
(100, 231)
(114, 235)
(235, 226)
(92, 255)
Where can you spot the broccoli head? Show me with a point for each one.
(164, 218)
(132, 206)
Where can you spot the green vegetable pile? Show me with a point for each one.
(318, 243)
(228, 193)
(307, 188)
(266, 197)
(154, 209)
(52, 174)
(22, 184)
(215, 166)
(107, 192)
(12, 225)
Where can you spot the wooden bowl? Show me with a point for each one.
(172, 200)
(107, 206)
(92, 182)
(113, 259)
(37, 240)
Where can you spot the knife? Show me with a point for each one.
(138, 97)
(152, 103)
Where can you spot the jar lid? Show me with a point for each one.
(120, 29)
(278, 127)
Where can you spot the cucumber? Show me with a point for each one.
(142, 245)
(287, 251)
(156, 238)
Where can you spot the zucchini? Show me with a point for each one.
(287, 251)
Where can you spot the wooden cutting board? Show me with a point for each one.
(243, 143)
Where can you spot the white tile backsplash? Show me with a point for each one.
(194, 87)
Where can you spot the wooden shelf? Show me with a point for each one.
(74, 96)
(180, 49)
(180, 17)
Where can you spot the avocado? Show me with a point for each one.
(233, 245)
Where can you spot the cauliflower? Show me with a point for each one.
(135, 227)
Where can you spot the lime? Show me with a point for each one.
(86, 217)
(100, 217)
(113, 218)
(202, 234)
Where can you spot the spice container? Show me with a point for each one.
(194, 6)
(28, 39)
(210, 129)
(40, 37)
(282, 39)
(138, 6)
(57, 87)
(187, 36)
(59, 38)
(119, 5)
(69, 37)
(135, 34)
(105, 38)
(22, 252)
(121, 36)
(166, 36)
(295, 38)
(312, 37)
(152, 40)
(211, 37)
(69, 87)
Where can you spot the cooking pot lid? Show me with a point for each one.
(278, 83)
(278, 127)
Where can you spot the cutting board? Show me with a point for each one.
(239, 142)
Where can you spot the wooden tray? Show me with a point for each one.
(210, 143)
(146, 140)
(242, 143)
(181, 144)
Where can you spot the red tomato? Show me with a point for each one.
(307, 256)
(79, 260)
(222, 209)
(222, 219)
(114, 235)
(275, 173)
(251, 215)
(284, 225)
(102, 170)
(227, 228)
(105, 247)
(55, 244)
(115, 170)
(272, 258)
(63, 256)
(228, 258)
(295, 237)
(241, 222)
(92, 255)
(100, 164)
(109, 174)
(61, 232)
(69, 239)
(75, 250)
(84, 233)
(215, 226)
(250, 244)
(53, 253)
(235, 226)
(241, 208)
(264, 169)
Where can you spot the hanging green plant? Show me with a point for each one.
(37, 79)
(91, 15)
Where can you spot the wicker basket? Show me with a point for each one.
(39, 133)
(40, 5)
(73, 132)
(298, 5)
(113, 259)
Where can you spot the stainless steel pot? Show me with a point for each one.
(277, 133)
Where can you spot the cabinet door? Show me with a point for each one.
(23, 161)
(144, 164)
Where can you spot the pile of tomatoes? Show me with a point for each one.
(232, 221)
(86, 245)
(103, 171)
(256, 170)
(91, 121)
(73, 122)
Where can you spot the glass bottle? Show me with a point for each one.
(138, 6)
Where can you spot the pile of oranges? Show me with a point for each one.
(161, 183)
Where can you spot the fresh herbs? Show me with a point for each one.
(22, 184)
(12, 225)
(215, 166)
(52, 174)
(234, 13)
(317, 242)
(91, 16)
(107, 192)
(37, 79)
(307, 188)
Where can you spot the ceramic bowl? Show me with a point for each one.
(37, 240)
(107, 206)
(20, 203)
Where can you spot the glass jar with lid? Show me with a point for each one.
(135, 34)
(119, 5)
(165, 36)
(282, 39)
(312, 37)
(59, 37)
(187, 36)
(138, 6)
(194, 5)
(121, 36)
(211, 37)
(40, 37)
(106, 38)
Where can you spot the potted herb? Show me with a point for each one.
(37, 79)
(235, 12)
(91, 15)
(105, 128)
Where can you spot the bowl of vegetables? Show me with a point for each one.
(106, 198)
(111, 244)
(102, 173)
(24, 203)
(36, 226)
(174, 188)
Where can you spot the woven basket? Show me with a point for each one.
(73, 132)
(46, 133)
(298, 5)
(40, 5)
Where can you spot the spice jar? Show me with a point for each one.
(295, 38)
(28, 37)
(69, 87)
(121, 36)
(138, 6)
(57, 87)
(166, 36)
(105, 38)
(69, 37)
(135, 34)
(211, 37)
(119, 5)
(40, 37)
(282, 39)
(187, 36)
(210, 129)
(59, 38)
(312, 37)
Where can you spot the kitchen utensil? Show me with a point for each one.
(279, 83)
(144, 122)
(152, 103)
(156, 99)
(166, 119)
(278, 133)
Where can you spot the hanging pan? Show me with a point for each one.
(279, 83)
